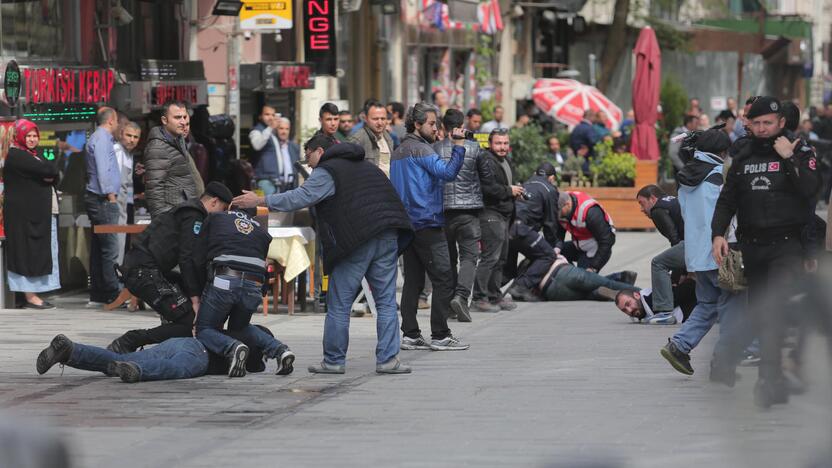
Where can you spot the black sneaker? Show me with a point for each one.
(459, 306)
(43, 306)
(519, 293)
(628, 277)
(284, 362)
(57, 352)
(122, 345)
(128, 372)
(237, 362)
(723, 374)
(768, 393)
(679, 360)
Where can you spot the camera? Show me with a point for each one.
(526, 195)
(469, 135)
(688, 146)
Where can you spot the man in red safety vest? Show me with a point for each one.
(591, 229)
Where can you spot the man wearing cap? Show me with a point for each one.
(147, 270)
(535, 211)
(770, 187)
(700, 181)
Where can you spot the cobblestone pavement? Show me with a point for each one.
(555, 384)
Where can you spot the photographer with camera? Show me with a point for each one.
(463, 204)
(770, 187)
(498, 196)
(536, 210)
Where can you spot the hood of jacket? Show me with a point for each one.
(351, 151)
(698, 168)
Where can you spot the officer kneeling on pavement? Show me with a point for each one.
(535, 211)
(235, 246)
(148, 269)
(591, 228)
(770, 187)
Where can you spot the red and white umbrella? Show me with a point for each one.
(566, 101)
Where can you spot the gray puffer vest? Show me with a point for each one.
(464, 193)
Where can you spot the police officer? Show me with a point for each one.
(770, 185)
(535, 211)
(592, 230)
(168, 242)
(235, 245)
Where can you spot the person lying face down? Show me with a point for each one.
(638, 305)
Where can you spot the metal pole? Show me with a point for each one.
(233, 48)
(592, 69)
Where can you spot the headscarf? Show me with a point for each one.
(21, 128)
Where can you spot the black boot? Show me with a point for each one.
(723, 374)
(521, 294)
(770, 392)
(57, 352)
(126, 343)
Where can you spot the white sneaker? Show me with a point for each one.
(410, 344)
(448, 344)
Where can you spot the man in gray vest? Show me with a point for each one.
(363, 227)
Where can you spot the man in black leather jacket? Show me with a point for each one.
(463, 205)
(666, 214)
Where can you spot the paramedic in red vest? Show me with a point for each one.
(591, 230)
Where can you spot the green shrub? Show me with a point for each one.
(611, 169)
(528, 150)
(674, 100)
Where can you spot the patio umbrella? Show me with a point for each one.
(646, 95)
(566, 101)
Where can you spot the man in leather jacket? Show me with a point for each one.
(770, 187)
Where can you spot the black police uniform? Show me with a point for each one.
(666, 214)
(535, 212)
(771, 197)
(148, 274)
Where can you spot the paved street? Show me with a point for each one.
(546, 385)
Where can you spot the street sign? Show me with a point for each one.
(266, 14)
(319, 35)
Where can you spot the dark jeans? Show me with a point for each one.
(772, 271)
(234, 299)
(571, 283)
(103, 249)
(177, 358)
(428, 253)
(165, 296)
(462, 228)
(494, 228)
(535, 248)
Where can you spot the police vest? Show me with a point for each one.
(577, 224)
(237, 241)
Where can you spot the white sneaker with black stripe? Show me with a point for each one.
(237, 363)
(448, 343)
(409, 344)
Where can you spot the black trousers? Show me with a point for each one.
(494, 228)
(534, 247)
(773, 273)
(462, 228)
(428, 253)
(163, 294)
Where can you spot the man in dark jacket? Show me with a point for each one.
(536, 211)
(770, 187)
(168, 242)
(363, 227)
(584, 135)
(171, 176)
(498, 197)
(463, 204)
(591, 228)
(666, 214)
(419, 174)
(374, 137)
(275, 153)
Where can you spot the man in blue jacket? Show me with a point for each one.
(700, 182)
(419, 174)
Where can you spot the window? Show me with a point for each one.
(39, 29)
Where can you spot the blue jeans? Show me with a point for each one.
(713, 303)
(176, 358)
(236, 304)
(104, 285)
(376, 261)
(571, 283)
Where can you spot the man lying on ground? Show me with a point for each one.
(174, 358)
(567, 282)
(639, 304)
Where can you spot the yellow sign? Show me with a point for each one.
(266, 15)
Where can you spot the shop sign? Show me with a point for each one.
(266, 14)
(171, 70)
(319, 35)
(65, 85)
(287, 76)
(192, 92)
(11, 83)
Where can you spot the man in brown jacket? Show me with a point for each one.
(373, 136)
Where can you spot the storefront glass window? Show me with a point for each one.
(39, 29)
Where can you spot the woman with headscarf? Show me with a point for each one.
(30, 208)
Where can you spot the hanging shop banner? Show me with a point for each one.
(287, 76)
(266, 14)
(11, 83)
(171, 70)
(67, 85)
(319, 35)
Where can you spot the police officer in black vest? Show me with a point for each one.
(538, 209)
(234, 246)
(148, 269)
(770, 187)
